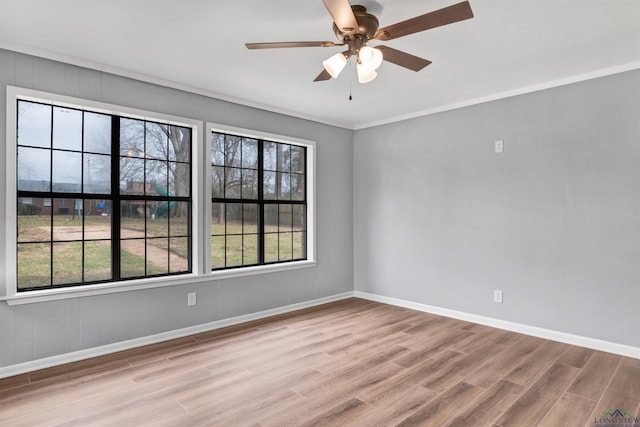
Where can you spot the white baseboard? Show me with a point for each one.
(75, 356)
(610, 347)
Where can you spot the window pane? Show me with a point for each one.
(132, 262)
(131, 138)
(67, 172)
(249, 153)
(271, 218)
(217, 218)
(180, 179)
(298, 217)
(34, 124)
(297, 187)
(132, 176)
(286, 249)
(217, 181)
(234, 218)
(269, 156)
(250, 223)
(299, 245)
(34, 169)
(179, 256)
(157, 175)
(217, 149)
(67, 129)
(67, 219)
(233, 181)
(157, 141)
(233, 151)
(284, 186)
(97, 219)
(234, 251)
(157, 256)
(34, 220)
(97, 174)
(67, 263)
(132, 221)
(249, 184)
(34, 265)
(97, 133)
(158, 222)
(97, 260)
(271, 247)
(217, 251)
(179, 144)
(179, 219)
(269, 186)
(250, 249)
(285, 219)
(284, 158)
(298, 161)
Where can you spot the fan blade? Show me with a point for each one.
(403, 59)
(437, 18)
(324, 75)
(276, 45)
(340, 11)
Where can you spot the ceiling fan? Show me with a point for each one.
(355, 27)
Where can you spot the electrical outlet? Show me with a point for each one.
(499, 146)
(191, 298)
(497, 296)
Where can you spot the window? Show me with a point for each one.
(100, 197)
(104, 198)
(259, 201)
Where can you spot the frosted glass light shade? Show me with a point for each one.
(335, 64)
(370, 57)
(365, 74)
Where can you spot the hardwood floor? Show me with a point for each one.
(353, 362)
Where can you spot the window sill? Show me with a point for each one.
(31, 297)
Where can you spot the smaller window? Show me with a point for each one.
(259, 201)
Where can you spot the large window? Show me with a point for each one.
(259, 201)
(100, 197)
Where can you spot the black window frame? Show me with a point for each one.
(262, 203)
(115, 198)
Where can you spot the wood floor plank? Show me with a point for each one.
(623, 391)
(570, 411)
(395, 406)
(342, 414)
(595, 375)
(527, 372)
(489, 406)
(441, 409)
(534, 404)
(351, 362)
(576, 356)
(497, 367)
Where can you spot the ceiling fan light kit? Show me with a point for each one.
(335, 64)
(354, 27)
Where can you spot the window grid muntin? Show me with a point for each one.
(113, 197)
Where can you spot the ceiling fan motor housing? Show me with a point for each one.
(367, 26)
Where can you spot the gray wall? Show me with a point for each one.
(35, 331)
(554, 221)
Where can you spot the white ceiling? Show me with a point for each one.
(510, 46)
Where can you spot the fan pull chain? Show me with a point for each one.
(350, 80)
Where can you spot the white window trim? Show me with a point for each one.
(201, 206)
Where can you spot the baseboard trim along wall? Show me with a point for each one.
(564, 337)
(75, 356)
(578, 340)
